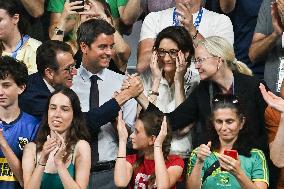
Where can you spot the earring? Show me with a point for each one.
(218, 67)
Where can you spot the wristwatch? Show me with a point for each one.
(58, 31)
(153, 93)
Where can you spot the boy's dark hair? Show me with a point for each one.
(13, 68)
(88, 31)
(46, 54)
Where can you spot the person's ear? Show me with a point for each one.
(151, 140)
(21, 88)
(242, 123)
(84, 47)
(16, 18)
(49, 73)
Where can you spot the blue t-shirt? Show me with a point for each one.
(17, 133)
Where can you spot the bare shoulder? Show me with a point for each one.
(82, 146)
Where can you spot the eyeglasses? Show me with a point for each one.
(201, 60)
(173, 53)
(70, 68)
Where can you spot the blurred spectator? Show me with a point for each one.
(267, 43)
(210, 167)
(17, 127)
(152, 166)
(243, 15)
(14, 40)
(32, 13)
(157, 5)
(61, 155)
(275, 127)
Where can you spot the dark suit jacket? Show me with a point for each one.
(34, 101)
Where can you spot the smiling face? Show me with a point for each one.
(227, 124)
(64, 75)
(139, 138)
(205, 63)
(99, 54)
(60, 113)
(169, 49)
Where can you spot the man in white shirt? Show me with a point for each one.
(95, 38)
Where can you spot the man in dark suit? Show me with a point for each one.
(56, 68)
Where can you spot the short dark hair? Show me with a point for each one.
(13, 68)
(88, 31)
(46, 54)
(179, 35)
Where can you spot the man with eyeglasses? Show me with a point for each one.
(56, 68)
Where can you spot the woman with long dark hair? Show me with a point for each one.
(229, 159)
(14, 40)
(60, 157)
(152, 166)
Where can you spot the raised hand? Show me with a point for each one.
(203, 152)
(49, 145)
(70, 8)
(61, 152)
(181, 67)
(271, 99)
(154, 66)
(162, 134)
(121, 128)
(185, 16)
(276, 20)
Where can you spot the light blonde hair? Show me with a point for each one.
(220, 47)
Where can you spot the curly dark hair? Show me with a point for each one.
(180, 36)
(78, 130)
(152, 121)
(17, 70)
(243, 144)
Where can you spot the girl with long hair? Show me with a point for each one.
(60, 157)
(152, 166)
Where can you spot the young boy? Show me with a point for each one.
(16, 127)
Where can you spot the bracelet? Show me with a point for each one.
(158, 146)
(120, 157)
(153, 93)
(194, 37)
(41, 164)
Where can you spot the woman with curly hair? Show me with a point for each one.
(60, 157)
(152, 166)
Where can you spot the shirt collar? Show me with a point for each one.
(85, 74)
(50, 88)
